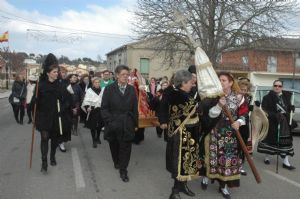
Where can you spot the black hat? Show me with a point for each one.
(192, 69)
(49, 61)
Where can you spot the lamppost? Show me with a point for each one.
(296, 65)
(6, 72)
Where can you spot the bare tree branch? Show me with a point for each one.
(216, 25)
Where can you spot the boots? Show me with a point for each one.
(98, 136)
(53, 152)
(52, 159)
(93, 133)
(94, 143)
(44, 151)
(98, 140)
(44, 165)
(185, 189)
(175, 194)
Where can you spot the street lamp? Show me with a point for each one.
(6, 72)
(296, 65)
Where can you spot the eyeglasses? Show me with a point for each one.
(279, 86)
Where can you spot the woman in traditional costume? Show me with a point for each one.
(245, 86)
(222, 157)
(277, 105)
(91, 105)
(179, 115)
(51, 93)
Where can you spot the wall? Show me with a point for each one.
(258, 59)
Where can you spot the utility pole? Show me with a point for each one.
(295, 56)
(6, 73)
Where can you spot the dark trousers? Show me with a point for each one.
(120, 152)
(29, 111)
(139, 135)
(95, 134)
(16, 110)
(45, 136)
(160, 131)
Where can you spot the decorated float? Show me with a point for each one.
(147, 116)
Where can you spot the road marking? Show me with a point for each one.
(79, 180)
(282, 178)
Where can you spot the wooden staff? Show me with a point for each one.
(33, 123)
(244, 148)
(291, 113)
(277, 155)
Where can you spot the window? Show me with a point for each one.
(245, 60)
(144, 67)
(272, 64)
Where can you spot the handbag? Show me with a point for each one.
(15, 100)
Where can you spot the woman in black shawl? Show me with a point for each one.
(277, 105)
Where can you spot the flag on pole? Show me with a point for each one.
(4, 37)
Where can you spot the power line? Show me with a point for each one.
(64, 28)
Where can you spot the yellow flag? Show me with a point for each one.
(4, 37)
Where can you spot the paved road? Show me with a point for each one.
(87, 173)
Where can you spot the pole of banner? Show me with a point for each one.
(33, 123)
(244, 148)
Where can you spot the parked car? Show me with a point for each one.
(263, 90)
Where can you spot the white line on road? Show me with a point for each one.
(79, 180)
(283, 178)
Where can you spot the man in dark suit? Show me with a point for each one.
(119, 111)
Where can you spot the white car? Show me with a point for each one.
(263, 90)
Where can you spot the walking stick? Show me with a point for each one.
(291, 113)
(240, 139)
(33, 123)
(278, 132)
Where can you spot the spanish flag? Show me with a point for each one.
(4, 37)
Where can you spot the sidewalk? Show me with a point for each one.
(4, 93)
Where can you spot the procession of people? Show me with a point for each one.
(201, 139)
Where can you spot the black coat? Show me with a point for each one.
(46, 109)
(19, 91)
(119, 112)
(269, 106)
(83, 85)
(77, 96)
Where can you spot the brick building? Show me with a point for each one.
(265, 60)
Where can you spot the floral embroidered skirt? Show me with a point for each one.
(222, 156)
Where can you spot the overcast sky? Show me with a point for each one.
(101, 16)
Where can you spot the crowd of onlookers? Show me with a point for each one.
(23, 91)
